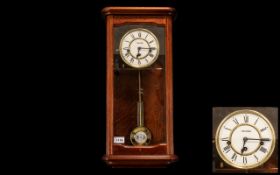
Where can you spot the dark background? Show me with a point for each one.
(224, 54)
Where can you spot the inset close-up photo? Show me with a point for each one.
(245, 140)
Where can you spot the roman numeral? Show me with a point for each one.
(126, 48)
(246, 118)
(146, 60)
(126, 41)
(244, 160)
(139, 62)
(151, 41)
(233, 157)
(224, 139)
(131, 60)
(263, 129)
(256, 121)
(132, 36)
(227, 128)
(227, 148)
(151, 55)
(146, 36)
(256, 157)
(139, 34)
(263, 149)
(235, 121)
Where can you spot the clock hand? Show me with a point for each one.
(244, 148)
(228, 141)
(151, 48)
(138, 53)
(262, 139)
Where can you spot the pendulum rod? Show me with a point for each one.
(140, 105)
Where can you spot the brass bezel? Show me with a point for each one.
(157, 43)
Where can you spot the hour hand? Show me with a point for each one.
(138, 53)
(243, 149)
(244, 142)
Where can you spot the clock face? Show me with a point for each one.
(245, 139)
(139, 48)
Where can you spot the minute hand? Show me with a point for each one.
(263, 139)
(152, 48)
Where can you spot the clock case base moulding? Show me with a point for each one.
(145, 161)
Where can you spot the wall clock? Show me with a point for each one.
(139, 125)
(245, 139)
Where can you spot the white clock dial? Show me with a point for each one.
(139, 48)
(245, 139)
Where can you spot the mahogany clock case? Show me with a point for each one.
(155, 89)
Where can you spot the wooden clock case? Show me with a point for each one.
(121, 92)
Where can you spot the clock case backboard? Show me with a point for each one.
(122, 84)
